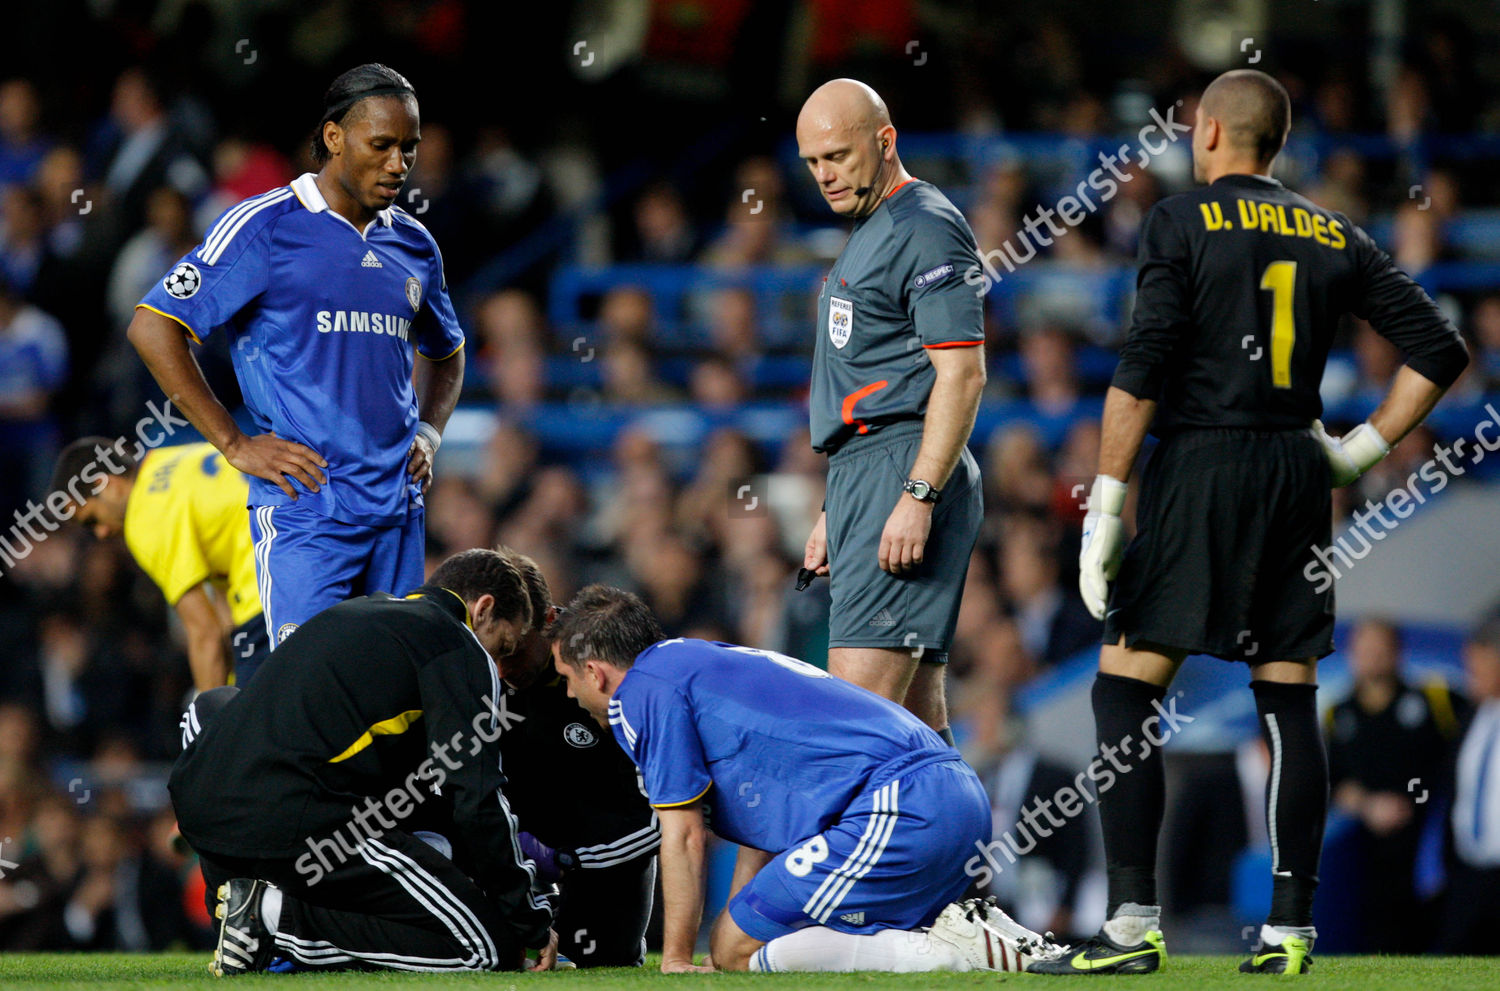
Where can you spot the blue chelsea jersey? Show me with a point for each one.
(323, 320)
(775, 747)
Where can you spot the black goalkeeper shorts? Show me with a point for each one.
(1226, 526)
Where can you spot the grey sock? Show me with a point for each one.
(1131, 922)
(1273, 935)
(1135, 908)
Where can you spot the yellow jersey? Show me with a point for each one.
(186, 523)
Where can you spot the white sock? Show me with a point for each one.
(890, 950)
(1273, 935)
(270, 908)
(1132, 922)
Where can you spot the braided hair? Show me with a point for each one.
(348, 90)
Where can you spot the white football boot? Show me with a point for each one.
(989, 939)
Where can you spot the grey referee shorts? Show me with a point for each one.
(871, 607)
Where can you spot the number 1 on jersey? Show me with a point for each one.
(1281, 279)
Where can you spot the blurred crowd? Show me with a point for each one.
(114, 160)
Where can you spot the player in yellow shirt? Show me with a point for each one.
(182, 513)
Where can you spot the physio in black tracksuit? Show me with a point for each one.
(377, 713)
(578, 799)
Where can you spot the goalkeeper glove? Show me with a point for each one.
(1103, 542)
(1353, 454)
(542, 855)
(550, 863)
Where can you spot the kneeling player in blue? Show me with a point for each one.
(854, 819)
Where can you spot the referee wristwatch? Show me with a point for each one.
(921, 491)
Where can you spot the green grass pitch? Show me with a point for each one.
(101, 971)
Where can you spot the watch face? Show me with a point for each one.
(919, 490)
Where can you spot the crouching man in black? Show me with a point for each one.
(584, 819)
(304, 795)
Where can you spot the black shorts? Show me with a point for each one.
(1225, 532)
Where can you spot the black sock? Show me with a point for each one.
(1296, 796)
(1131, 806)
(947, 734)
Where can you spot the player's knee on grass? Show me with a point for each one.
(730, 947)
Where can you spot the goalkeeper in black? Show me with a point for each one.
(308, 796)
(584, 820)
(1240, 289)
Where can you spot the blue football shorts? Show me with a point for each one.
(306, 562)
(894, 860)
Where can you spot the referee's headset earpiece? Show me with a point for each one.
(879, 166)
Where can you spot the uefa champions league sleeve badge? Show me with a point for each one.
(184, 280)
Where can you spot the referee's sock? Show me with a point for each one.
(1130, 806)
(1296, 796)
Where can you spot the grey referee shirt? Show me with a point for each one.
(895, 290)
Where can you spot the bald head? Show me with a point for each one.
(1253, 110)
(844, 105)
(844, 134)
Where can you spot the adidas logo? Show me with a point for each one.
(883, 618)
(371, 261)
(854, 918)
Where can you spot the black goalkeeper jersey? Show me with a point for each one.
(379, 713)
(570, 784)
(1240, 290)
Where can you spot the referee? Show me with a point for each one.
(1240, 290)
(307, 794)
(584, 820)
(898, 369)
(325, 288)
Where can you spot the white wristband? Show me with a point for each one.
(427, 430)
(1108, 495)
(1365, 446)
